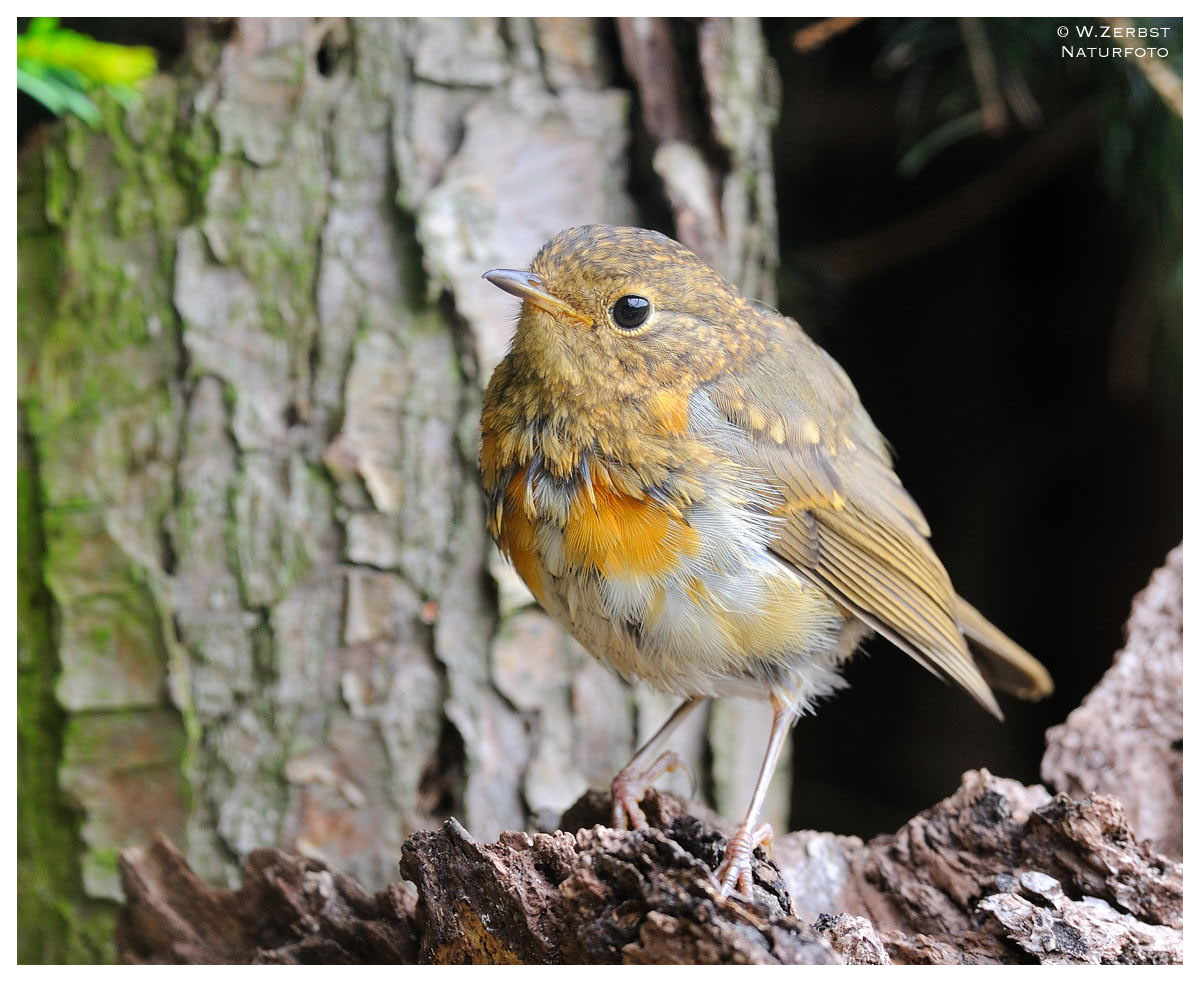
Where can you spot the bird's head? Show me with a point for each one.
(624, 311)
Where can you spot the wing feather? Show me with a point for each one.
(846, 521)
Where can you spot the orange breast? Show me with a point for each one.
(516, 537)
(609, 532)
(620, 535)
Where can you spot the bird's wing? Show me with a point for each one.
(846, 522)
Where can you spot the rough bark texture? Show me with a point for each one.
(998, 873)
(253, 336)
(1126, 739)
(289, 910)
(995, 865)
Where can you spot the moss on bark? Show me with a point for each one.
(56, 922)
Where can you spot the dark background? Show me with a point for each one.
(1024, 360)
(1027, 372)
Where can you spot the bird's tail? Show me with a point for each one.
(1003, 663)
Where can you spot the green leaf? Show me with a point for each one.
(97, 61)
(47, 93)
(57, 97)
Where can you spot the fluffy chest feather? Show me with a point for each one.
(674, 587)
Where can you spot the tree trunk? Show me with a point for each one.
(258, 607)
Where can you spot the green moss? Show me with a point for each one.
(100, 636)
(179, 669)
(56, 923)
(196, 154)
(59, 178)
(99, 212)
(107, 859)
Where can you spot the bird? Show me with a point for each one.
(691, 487)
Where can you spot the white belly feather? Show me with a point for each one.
(731, 620)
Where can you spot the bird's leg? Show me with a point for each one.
(629, 787)
(737, 865)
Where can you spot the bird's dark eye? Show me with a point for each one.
(630, 312)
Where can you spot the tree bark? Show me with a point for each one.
(253, 339)
(1126, 740)
(998, 873)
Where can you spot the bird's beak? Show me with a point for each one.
(530, 288)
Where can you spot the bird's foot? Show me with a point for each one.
(738, 865)
(629, 787)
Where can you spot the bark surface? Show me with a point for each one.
(1127, 737)
(998, 873)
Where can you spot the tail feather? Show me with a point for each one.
(1003, 663)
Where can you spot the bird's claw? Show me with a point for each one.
(629, 787)
(738, 865)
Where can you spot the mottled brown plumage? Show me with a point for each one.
(691, 486)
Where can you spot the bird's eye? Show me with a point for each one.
(630, 312)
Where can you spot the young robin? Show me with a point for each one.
(691, 487)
